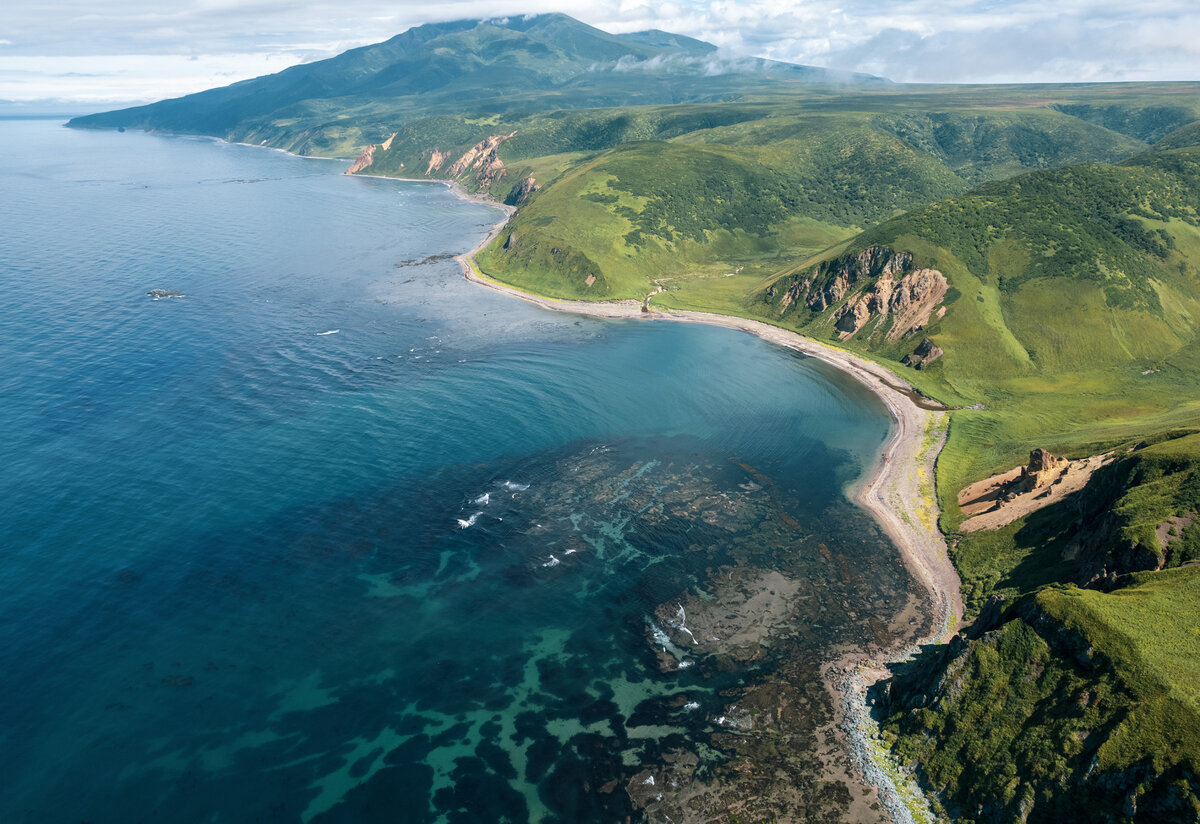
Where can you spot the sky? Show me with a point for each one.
(83, 55)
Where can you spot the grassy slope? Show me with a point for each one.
(1074, 316)
(1082, 706)
(754, 187)
(1079, 699)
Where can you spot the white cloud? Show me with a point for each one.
(126, 78)
(146, 49)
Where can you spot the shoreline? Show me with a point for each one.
(905, 464)
(881, 492)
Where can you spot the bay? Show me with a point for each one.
(323, 532)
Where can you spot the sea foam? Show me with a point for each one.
(469, 522)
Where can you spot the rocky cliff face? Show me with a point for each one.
(484, 157)
(521, 192)
(909, 301)
(1032, 698)
(367, 157)
(479, 166)
(876, 287)
(436, 161)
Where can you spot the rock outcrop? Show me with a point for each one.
(909, 301)
(367, 157)
(521, 192)
(829, 282)
(436, 161)
(926, 353)
(484, 157)
(364, 160)
(1042, 470)
(894, 292)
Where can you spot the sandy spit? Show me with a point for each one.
(902, 474)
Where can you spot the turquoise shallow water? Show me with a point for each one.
(338, 536)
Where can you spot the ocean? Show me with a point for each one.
(321, 532)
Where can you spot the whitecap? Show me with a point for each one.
(330, 332)
(692, 706)
(659, 636)
(483, 499)
(469, 522)
(511, 486)
(553, 562)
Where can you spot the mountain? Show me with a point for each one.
(534, 62)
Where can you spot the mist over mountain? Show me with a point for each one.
(536, 62)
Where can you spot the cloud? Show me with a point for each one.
(917, 40)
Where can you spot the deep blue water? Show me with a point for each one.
(233, 582)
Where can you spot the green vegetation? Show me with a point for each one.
(1073, 315)
(709, 189)
(1078, 699)
(1059, 715)
(1137, 513)
(1065, 221)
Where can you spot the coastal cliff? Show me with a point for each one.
(367, 156)
(877, 294)
(479, 166)
(1072, 695)
(1032, 721)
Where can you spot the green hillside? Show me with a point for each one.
(1072, 704)
(1062, 713)
(756, 186)
(1072, 315)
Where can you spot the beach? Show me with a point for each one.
(898, 491)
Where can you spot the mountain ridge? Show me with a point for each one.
(466, 64)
